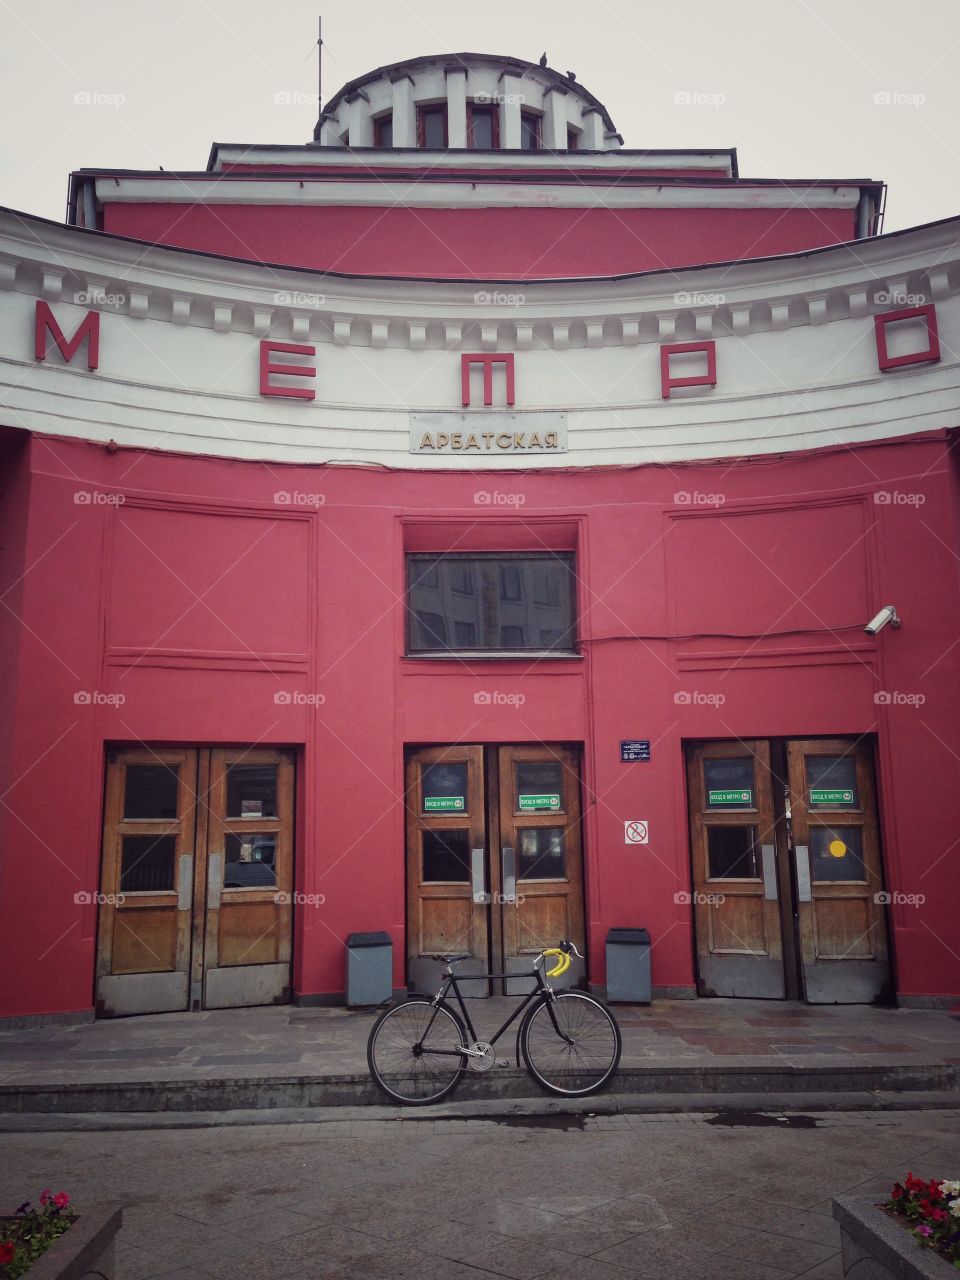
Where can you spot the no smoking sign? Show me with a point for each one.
(635, 831)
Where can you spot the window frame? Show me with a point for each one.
(494, 125)
(422, 128)
(526, 115)
(378, 126)
(568, 556)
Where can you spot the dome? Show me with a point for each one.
(467, 101)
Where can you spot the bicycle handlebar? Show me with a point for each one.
(562, 952)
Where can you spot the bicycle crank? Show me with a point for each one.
(480, 1056)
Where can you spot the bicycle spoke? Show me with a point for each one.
(585, 1053)
(396, 1062)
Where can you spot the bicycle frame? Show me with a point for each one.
(542, 991)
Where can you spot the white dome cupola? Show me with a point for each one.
(467, 101)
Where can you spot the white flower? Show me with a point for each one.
(950, 1188)
(955, 1208)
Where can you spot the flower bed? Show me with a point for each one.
(51, 1241)
(931, 1210)
(881, 1240)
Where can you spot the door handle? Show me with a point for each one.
(508, 862)
(803, 873)
(214, 881)
(769, 854)
(480, 894)
(185, 882)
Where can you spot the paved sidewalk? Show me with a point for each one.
(610, 1198)
(670, 1040)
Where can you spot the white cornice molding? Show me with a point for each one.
(386, 158)
(380, 191)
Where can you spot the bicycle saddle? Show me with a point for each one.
(452, 959)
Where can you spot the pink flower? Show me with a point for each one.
(924, 1230)
(61, 1199)
(44, 1195)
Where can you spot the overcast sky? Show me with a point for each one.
(804, 88)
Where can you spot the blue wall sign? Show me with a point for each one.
(635, 749)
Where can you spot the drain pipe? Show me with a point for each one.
(864, 210)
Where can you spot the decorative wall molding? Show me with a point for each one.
(117, 276)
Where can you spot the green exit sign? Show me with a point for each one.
(820, 795)
(551, 803)
(443, 804)
(730, 797)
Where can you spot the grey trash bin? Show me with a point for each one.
(369, 968)
(628, 966)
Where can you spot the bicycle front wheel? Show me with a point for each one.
(414, 1051)
(571, 1044)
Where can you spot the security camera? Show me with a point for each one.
(887, 614)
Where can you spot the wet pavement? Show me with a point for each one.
(610, 1198)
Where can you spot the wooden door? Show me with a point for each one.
(196, 895)
(247, 925)
(447, 894)
(539, 898)
(146, 887)
(735, 884)
(840, 897)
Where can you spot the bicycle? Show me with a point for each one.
(570, 1041)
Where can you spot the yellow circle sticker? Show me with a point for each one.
(837, 848)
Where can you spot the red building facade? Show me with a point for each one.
(471, 535)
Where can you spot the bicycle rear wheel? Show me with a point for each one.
(571, 1044)
(396, 1051)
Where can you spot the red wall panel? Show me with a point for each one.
(481, 243)
(316, 605)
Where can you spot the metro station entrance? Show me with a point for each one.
(787, 877)
(196, 903)
(494, 860)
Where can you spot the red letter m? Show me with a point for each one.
(88, 329)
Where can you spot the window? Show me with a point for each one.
(529, 131)
(521, 602)
(483, 127)
(573, 139)
(432, 128)
(383, 131)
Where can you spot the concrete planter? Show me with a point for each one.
(877, 1247)
(85, 1251)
